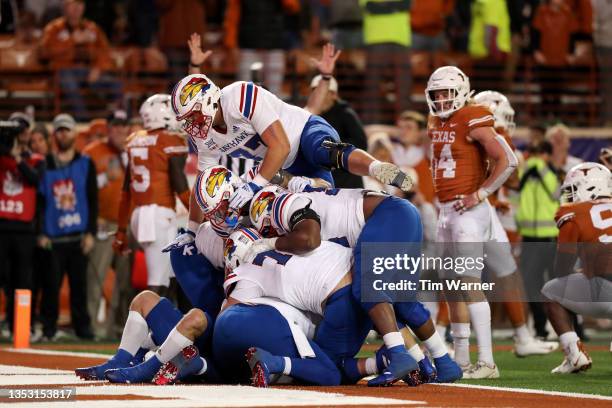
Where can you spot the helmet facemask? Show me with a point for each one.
(196, 124)
(443, 105)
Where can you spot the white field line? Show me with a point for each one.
(531, 391)
(183, 396)
(59, 353)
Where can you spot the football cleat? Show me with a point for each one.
(140, 373)
(533, 347)
(481, 371)
(261, 363)
(426, 371)
(391, 174)
(574, 364)
(187, 363)
(120, 360)
(400, 366)
(447, 369)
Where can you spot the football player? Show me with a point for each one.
(606, 157)
(510, 280)
(154, 178)
(324, 291)
(245, 120)
(462, 138)
(585, 234)
(351, 217)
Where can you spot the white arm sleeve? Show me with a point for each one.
(246, 290)
(512, 164)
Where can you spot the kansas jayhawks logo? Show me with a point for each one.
(215, 180)
(263, 201)
(192, 88)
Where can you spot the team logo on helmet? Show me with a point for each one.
(215, 180)
(228, 248)
(263, 201)
(192, 88)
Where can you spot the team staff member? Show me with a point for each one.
(70, 195)
(20, 172)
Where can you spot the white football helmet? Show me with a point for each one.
(213, 187)
(260, 210)
(585, 182)
(458, 85)
(501, 108)
(237, 245)
(156, 113)
(195, 100)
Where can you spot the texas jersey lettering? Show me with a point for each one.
(458, 164)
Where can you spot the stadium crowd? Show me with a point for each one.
(65, 167)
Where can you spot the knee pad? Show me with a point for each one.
(412, 314)
(338, 153)
(162, 319)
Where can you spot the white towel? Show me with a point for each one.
(145, 223)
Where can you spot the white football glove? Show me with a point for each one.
(243, 195)
(390, 174)
(259, 246)
(297, 184)
(184, 237)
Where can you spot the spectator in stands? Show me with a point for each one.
(559, 137)
(489, 43)
(344, 119)
(410, 150)
(603, 47)
(256, 30)
(428, 20)
(79, 50)
(346, 23)
(25, 124)
(39, 140)
(553, 23)
(110, 161)
(387, 37)
(177, 20)
(20, 173)
(539, 201)
(70, 201)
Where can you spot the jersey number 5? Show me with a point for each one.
(600, 222)
(446, 163)
(142, 184)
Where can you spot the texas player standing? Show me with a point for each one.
(462, 137)
(156, 159)
(585, 234)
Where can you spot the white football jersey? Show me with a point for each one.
(209, 244)
(340, 210)
(248, 110)
(291, 278)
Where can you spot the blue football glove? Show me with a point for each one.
(184, 237)
(243, 195)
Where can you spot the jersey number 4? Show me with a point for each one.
(599, 222)
(140, 184)
(445, 162)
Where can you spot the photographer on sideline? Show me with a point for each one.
(20, 173)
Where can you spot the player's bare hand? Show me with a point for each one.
(197, 55)
(87, 243)
(120, 244)
(465, 202)
(327, 63)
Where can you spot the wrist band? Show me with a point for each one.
(192, 65)
(260, 180)
(481, 194)
(326, 77)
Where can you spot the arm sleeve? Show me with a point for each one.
(246, 290)
(92, 198)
